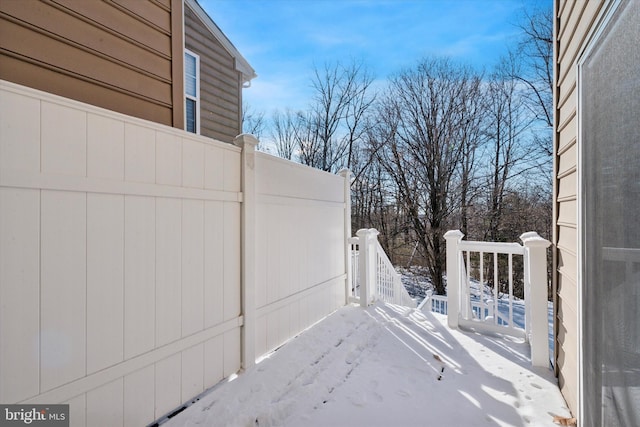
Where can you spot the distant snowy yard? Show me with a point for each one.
(385, 366)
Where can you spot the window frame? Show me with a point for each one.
(196, 98)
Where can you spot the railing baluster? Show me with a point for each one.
(495, 288)
(511, 290)
(467, 303)
(481, 314)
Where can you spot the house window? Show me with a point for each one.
(192, 91)
(610, 230)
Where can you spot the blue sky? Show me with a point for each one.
(283, 39)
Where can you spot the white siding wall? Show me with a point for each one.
(120, 260)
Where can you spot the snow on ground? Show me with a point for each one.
(385, 366)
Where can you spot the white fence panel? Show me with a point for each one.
(137, 260)
(120, 260)
(300, 248)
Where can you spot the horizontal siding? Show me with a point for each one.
(570, 47)
(575, 19)
(118, 52)
(69, 86)
(220, 82)
(130, 26)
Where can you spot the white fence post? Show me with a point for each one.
(367, 264)
(248, 144)
(453, 238)
(372, 254)
(535, 265)
(346, 174)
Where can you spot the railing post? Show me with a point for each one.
(248, 144)
(367, 264)
(346, 175)
(535, 271)
(453, 238)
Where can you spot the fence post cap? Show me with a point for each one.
(245, 139)
(344, 172)
(367, 232)
(454, 234)
(533, 239)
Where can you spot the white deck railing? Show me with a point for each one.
(470, 305)
(374, 277)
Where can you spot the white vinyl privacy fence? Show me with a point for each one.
(140, 264)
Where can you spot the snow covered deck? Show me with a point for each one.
(385, 365)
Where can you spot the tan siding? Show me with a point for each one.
(586, 12)
(568, 161)
(127, 25)
(567, 187)
(53, 81)
(575, 19)
(567, 212)
(113, 54)
(220, 82)
(567, 136)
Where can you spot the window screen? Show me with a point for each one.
(610, 102)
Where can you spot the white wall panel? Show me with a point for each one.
(231, 176)
(168, 159)
(168, 270)
(213, 263)
(105, 147)
(261, 251)
(105, 280)
(63, 288)
(77, 411)
(105, 406)
(63, 148)
(231, 358)
(140, 153)
(192, 266)
(214, 168)
(19, 294)
(301, 248)
(139, 397)
(231, 239)
(139, 275)
(168, 387)
(19, 133)
(213, 361)
(192, 164)
(192, 372)
(125, 238)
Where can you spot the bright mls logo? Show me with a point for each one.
(34, 415)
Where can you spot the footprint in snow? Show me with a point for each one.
(357, 400)
(403, 393)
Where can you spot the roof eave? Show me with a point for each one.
(241, 64)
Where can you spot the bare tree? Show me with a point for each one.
(252, 121)
(536, 50)
(333, 124)
(284, 132)
(505, 146)
(421, 126)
